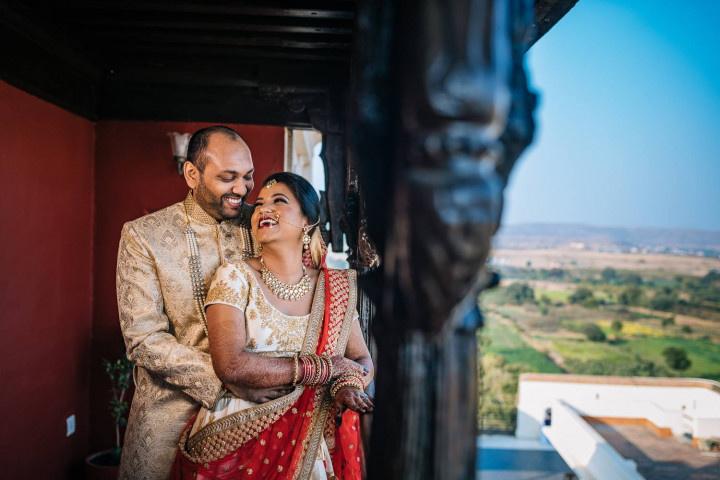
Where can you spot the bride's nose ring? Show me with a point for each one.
(271, 213)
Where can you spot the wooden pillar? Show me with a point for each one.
(441, 112)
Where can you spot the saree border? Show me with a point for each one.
(322, 399)
(349, 314)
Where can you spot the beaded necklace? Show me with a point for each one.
(285, 291)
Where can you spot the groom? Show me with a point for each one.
(165, 260)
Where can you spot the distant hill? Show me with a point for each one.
(609, 239)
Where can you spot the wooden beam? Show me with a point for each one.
(129, 101)
(294, 79)
(196, 53)
(238, 27)
(249, 10)
(35, 60)
(47, 39)
(547, 14)
(224, 40)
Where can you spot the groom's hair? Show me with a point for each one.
(199, 142)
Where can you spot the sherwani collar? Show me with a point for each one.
(196, 212)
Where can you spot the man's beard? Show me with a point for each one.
(213, 204)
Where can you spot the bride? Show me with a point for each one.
(283, 319)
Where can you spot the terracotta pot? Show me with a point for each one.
(102, 465)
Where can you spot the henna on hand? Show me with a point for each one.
(343, 365)
(354, 399)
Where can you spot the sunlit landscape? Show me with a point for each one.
(564, 314)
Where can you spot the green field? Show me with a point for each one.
(533, 326)
(555, 296)
(705, 355)
(504, 340)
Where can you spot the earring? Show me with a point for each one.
(306, 238)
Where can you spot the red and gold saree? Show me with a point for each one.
(281, 439)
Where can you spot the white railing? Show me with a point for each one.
(583, 449)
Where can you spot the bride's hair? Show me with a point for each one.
(309, 205)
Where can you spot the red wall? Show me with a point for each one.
(135, 174)
(46, 215)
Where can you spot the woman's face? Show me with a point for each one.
(277, 215)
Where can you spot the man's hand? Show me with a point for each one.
(354, 399)
(258, 395)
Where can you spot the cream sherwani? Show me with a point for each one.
(163, 328)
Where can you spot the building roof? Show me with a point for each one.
(660, 457)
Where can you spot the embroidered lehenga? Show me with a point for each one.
(297, 436)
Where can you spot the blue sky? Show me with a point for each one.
(629, 118)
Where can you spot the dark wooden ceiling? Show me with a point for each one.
(272, 62)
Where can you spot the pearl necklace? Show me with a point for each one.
(283, 290)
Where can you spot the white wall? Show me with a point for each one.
(583, 449)
(664, 405)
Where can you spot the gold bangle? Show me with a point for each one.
(317, 366)
(349, 379)
(340, 385)
(296, 369)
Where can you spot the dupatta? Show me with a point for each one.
(279, 439)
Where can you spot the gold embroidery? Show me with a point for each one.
(227, 434)
(228, 287)
(285, 331)
(221, 292)
(196, 212)
(173, 375)
(344, 290)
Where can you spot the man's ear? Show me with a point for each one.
(191, 174)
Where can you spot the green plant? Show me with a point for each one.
(593, 332)
(582, 295)
(631, 296)
(120, 374)
(617, 325)
(676, 358)
(519, 293)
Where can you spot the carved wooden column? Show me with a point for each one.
(441, 113)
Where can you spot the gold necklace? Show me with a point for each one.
(284, 290)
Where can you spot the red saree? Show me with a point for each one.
(280, 439)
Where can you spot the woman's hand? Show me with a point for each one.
(354, 399)
(342, 365)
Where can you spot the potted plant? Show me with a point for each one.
(104, 465)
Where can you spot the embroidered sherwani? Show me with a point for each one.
(163, 328)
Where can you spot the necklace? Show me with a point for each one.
(284, 290)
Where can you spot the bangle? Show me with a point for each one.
(347, 380)
(296, 369)
(316, 369)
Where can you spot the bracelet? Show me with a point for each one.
(296, 369)
(347, 380)
(337, 386)
(316, 370)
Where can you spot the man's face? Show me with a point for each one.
(222, 186)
